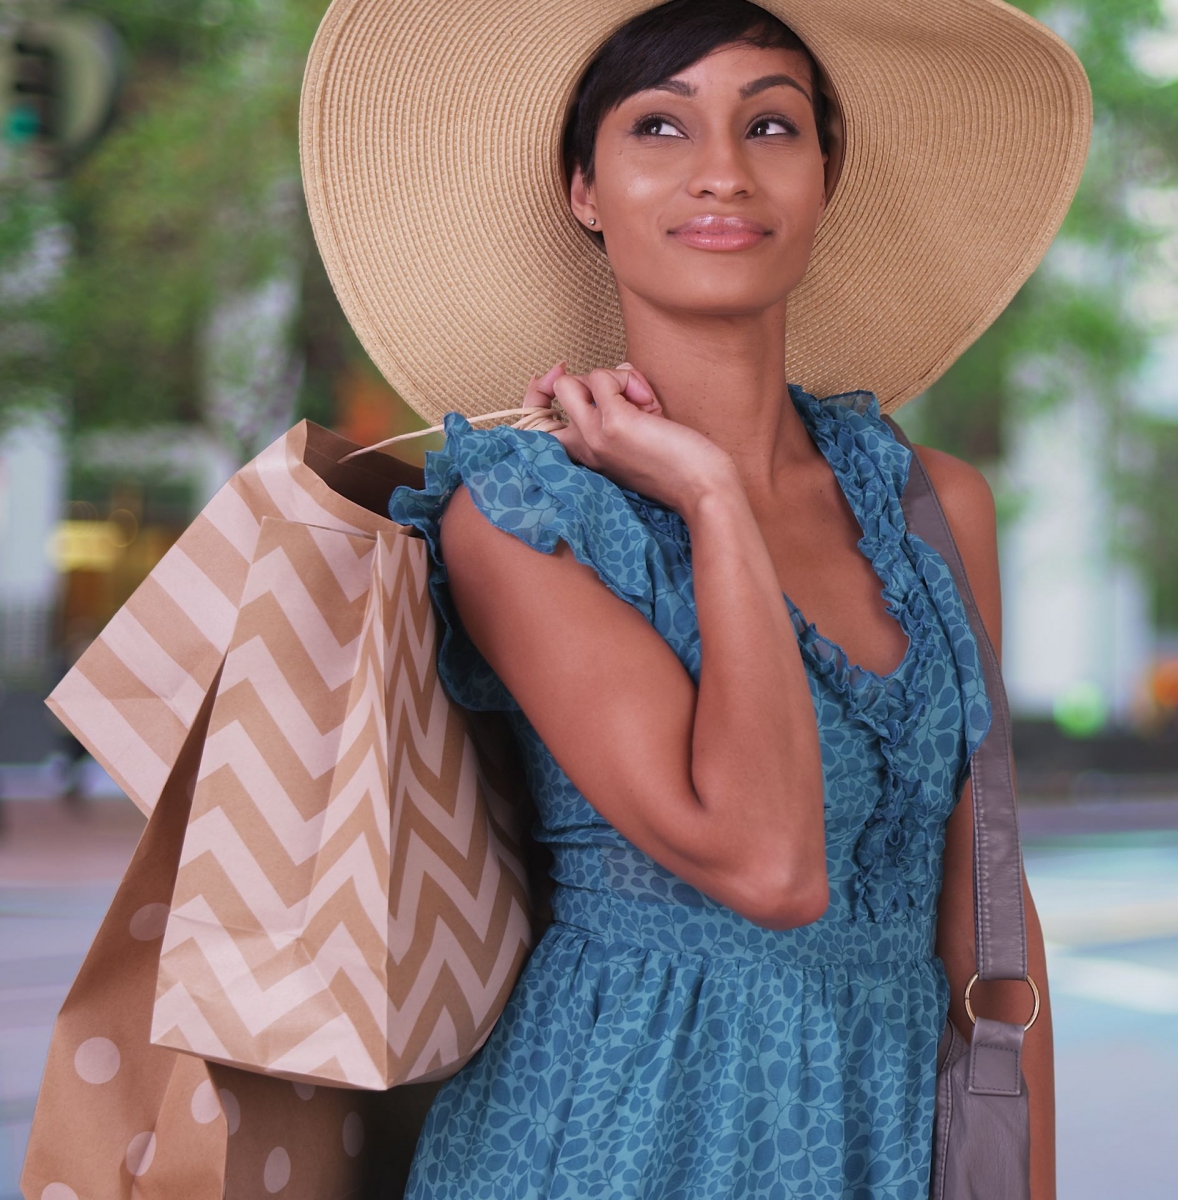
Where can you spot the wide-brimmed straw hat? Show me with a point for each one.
(430, 137)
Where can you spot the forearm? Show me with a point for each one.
(756, 758)
(1039, 1066)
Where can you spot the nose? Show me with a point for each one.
(720, 167)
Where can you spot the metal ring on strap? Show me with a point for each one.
(969, 1007)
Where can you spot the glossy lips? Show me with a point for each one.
(714, 232)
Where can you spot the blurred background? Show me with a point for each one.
(164, 315)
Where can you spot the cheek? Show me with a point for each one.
(634, 200)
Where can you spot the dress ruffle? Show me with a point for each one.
(523, 482)
(893, 851)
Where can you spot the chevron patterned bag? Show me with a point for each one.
(352, 904)
(120, 1119)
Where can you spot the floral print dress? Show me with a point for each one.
(658, 1045)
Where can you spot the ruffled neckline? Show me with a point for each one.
(871, 467)
(871, 486)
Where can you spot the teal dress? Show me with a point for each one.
(658, 1045)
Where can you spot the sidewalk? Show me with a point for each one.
(58, 873)
(1104, 877)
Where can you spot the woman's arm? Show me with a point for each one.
(721, 785)
(969, 506)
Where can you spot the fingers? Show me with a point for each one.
(575, 398)
(587, 399)
(638, 391)
(609, 392)
(539, 393)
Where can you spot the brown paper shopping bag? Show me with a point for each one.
(351, 905)
(135, 700)
(132, 697)
(118, 1118)
(381, 959)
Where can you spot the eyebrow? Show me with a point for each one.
(768, 81)
(749, 89)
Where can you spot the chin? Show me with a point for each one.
(726, 283)
(702, 297)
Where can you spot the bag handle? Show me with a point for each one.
(546, 420)
(999, 917)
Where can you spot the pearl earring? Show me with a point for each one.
(592, 220)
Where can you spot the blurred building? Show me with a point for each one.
(1078, 639)
(32, 492)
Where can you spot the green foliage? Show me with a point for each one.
(191, 194)
(1077, 315)
(188, 197)
(1071, 320)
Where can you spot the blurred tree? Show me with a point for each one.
(1073, 311)
(175, 210)
(193, 198)
(1073, 324)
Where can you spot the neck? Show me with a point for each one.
(725, 377)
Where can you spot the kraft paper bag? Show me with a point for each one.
(120, 1119)
(352, 905)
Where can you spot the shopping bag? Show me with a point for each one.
(118, 1118)
(384, 960)
(351, 905)
(132, 696)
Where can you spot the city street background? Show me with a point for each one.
(165, 315)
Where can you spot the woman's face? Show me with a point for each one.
(731, 137)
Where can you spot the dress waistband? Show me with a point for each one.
(721, 932)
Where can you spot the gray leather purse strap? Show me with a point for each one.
(999, 916)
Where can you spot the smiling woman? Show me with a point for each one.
(761, 905)
(700, 88)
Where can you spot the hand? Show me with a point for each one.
(617, 427)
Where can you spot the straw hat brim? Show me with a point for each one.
(430, 141)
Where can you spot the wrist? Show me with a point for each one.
(721, 492)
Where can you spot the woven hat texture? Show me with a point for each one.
(430, 139)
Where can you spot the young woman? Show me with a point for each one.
(746, 695)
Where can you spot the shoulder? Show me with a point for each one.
(964, 492)
(968, 500)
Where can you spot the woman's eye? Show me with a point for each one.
(649, 125)
(788, 126)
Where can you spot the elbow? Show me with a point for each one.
(776, 903)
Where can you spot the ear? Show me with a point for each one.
(581, 201)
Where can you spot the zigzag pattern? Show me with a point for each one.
(133, 695)
(339, 917)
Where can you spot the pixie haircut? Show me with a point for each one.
(660, 43)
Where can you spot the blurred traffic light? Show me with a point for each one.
(34, 87)
(60, 76)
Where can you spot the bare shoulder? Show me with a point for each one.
(968, 500)
(963, 490)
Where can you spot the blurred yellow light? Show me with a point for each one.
(84, 546)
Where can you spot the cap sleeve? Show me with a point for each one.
(523, 482)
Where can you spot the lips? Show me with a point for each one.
(712, 231)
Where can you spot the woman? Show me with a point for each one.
(760, 820)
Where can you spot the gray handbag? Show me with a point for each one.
(981, 1137)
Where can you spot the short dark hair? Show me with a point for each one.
(659, 43)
